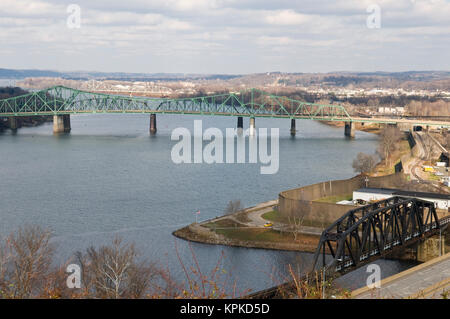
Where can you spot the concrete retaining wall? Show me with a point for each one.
(299, 202)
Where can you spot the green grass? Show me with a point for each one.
(224, 223)
(252, 234)
(315, 223)
(275, 216)
(334, 199)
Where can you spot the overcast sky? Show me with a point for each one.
(225, 36)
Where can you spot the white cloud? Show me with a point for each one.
(287, 17)
(231, 36)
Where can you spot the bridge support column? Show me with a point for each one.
(153, 124)
(14, 123)
(66, 121)
(61, 124)
(431, 248)
(349, 130)
(293, 130)
(252, 129)
(240, 125)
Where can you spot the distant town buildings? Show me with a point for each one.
(267, 81)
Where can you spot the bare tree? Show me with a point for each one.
(296, 225)
(25, 262)
(364, 163)
(389, 137)
(233, 207)
(114, 272)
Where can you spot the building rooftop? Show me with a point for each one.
(399, 192)
(387, 191)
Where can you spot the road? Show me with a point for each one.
(428, 280)
(415, 168)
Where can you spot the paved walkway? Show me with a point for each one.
(253, 213)
(256, 220)
(427, 280)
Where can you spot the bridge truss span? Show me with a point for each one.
(373, 231)
(61, 100)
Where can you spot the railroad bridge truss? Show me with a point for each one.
(369, 232)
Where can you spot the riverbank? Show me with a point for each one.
(364, 127)
(297, 218)
(25, 121)
(246, 228)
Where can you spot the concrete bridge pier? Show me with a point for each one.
(14, 123)
(252, 130)
(293, 130)
(153, 124)
(61, 124)
(349, 130)
(240, 125)
(431, 248)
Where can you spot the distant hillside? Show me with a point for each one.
(21, 74)
(120, 76)
(411, 80)
(11, 92)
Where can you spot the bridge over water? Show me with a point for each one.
(61, 102)
(367, 233)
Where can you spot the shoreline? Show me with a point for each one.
(199, 233)
(187, 234)
(246, 228)
(367, 127)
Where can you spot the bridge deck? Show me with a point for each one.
(427, 280)
(59, 100)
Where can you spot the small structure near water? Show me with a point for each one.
(441, 201)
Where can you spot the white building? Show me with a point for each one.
(441, 201)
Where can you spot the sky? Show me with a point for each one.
(225, 36)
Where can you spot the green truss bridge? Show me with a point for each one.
(61, 101)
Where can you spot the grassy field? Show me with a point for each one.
(334, 199)
(255, 234)
(264, 235)
(274, 216)
(224, 223)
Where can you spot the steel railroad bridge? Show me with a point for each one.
(367, 233)
(60, 102)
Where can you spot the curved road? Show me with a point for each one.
(424, 154)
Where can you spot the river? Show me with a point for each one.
(108, 177)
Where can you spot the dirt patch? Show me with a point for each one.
(242, 217)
